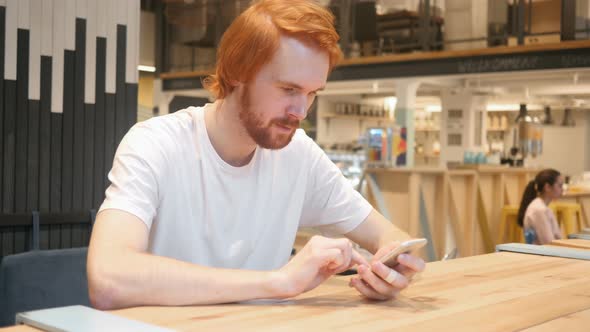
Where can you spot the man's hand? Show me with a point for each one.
(319, 259)
(380, 282)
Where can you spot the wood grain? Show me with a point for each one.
(576, 322)
(493, 292)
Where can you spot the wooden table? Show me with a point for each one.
(571, 243)
(582, 198)
(495, 292)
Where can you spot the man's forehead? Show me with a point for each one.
(299, 65)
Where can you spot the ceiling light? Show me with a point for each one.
(389, 104)
(150, 69)
(502, 107)
(433, 108)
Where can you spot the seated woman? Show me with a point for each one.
(534, 215)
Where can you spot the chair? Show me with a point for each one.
(569, 215)
(42, 279)
(509, 225)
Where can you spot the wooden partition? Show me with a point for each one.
(461, 196)
(497, 187)
(458, 208)
(432, 203)
(582, 198)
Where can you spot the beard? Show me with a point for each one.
(260, 132)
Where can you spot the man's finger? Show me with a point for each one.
(357, 258)
(415, 263)
(376, 282)
(365, 290)
(331, 258)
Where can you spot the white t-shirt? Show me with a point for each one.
(202, 210)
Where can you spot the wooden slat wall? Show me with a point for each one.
(68, 94)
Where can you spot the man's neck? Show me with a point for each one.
(227, 134)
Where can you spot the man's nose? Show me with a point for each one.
(298, 108)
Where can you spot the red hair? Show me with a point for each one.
(253, 38)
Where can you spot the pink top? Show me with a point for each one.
(539, 217)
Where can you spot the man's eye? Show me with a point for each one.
(289, 90)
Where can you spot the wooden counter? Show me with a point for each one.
(495, 292)
(583, 198)
(459, 208)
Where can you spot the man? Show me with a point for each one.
(205, 203)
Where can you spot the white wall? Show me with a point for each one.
(566, 149)
(147, 47)
(413, 5)
(466, 19)
(470, 105)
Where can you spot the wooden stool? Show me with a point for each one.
(565, 213)
(508, 224)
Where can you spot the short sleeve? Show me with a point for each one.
(331, 203)
(135, 176)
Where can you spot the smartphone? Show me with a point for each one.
(407, 246)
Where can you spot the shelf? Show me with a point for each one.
(498, 130)
(356, 117)
(428, 129)
(427, 155)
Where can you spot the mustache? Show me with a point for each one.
(287, 122)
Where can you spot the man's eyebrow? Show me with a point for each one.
(296, 86)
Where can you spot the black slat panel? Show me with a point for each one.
(78, 157)
(65, 236)
(99, 128)
(55, 235)
(109, 133)
(9, 145)
(88, 155)
(22, 98)
(77, 234)
(55, 184)
(67, 132)
(121, 112)
(45, 134)
(131, 100)
(2, 42)
(86, 236)
(7, 241)
(44, 237)
(33, 157)
(20, 240)
(72, 217)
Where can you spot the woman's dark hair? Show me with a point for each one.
(546, 176)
